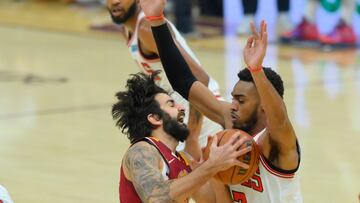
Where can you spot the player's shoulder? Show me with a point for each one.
(139, 152)
(140, 146)
(141, 149)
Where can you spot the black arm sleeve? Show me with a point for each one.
(175, 66)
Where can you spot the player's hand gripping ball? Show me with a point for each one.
(236, 174)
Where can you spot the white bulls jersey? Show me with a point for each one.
(148, 66)
(268, 185)
(4, 196)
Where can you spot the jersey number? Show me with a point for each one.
(239, 197)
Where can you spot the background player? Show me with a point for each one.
(143, 49)
(307, 30)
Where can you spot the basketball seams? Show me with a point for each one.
(232, 175)
(255, 161)
(223, 179)
(218, 176)
(222, 136)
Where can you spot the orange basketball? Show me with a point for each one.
(236, 174)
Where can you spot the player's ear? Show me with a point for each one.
(154, 119)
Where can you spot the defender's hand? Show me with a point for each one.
(255, 49)
(153, 7)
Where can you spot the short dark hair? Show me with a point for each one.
(272, 76)
(135, 104)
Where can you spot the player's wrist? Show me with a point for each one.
(255, 69)
(211, 167)
(156, 20)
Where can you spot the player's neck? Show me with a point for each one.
(131, 23)
(165, 138)
(259, 126)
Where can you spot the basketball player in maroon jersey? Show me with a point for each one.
(152, 170)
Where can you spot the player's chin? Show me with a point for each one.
(236, 125)
(234, 121)
(183, 124)
(117, 17)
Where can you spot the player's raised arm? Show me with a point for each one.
(148, 41)
(175, 66)
(281, 134)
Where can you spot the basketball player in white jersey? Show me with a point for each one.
(143, 49)
(257, 108)
(4, 195)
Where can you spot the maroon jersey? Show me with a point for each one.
(175, 164)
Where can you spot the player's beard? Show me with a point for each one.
(122, 19)
(249, 124)
(172, 127)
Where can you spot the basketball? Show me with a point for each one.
(236, 174)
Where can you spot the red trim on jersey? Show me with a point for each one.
(153, 60)
(272, 170)
(135, 31)
(130, 38)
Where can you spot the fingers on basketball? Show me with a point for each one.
(247, 153)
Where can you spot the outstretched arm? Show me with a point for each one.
(195, 117)
(148, 42)
(176, 68)
(281, 137)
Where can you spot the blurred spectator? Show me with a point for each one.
(342, 34)
(183, 16)
(211, 7)
(250, 8)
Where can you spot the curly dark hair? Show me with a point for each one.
(272, 76)
(135, 104)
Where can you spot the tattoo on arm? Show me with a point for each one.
(142, 162)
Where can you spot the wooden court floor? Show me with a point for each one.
(58, 142)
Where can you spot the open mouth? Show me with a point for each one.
(181, 117)
(234, 117)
